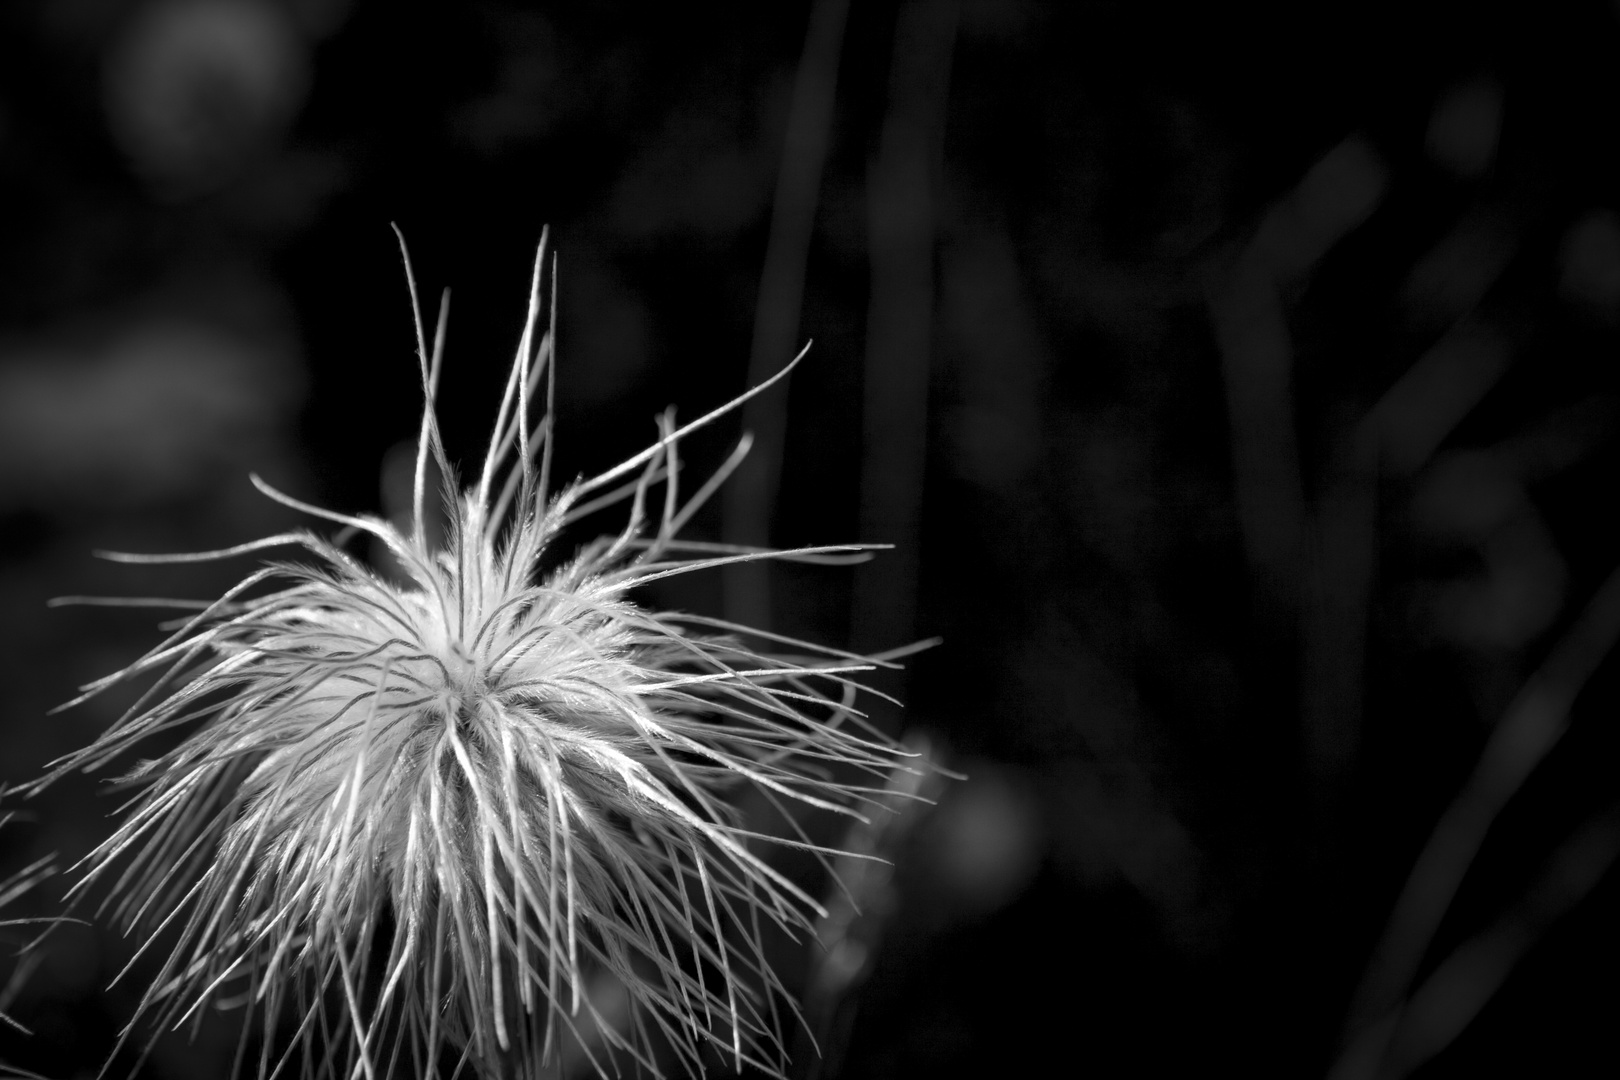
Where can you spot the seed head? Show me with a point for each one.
(424, 821)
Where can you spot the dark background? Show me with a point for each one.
(1241, 396)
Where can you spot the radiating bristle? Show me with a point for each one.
(415, 823)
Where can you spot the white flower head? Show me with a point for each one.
(415, 824)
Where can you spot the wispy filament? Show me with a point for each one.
(437, 822)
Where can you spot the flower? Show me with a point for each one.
(423, 821)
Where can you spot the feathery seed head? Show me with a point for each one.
(422, 822)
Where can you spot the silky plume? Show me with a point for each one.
(415, 820)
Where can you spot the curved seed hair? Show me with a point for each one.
(484, 814)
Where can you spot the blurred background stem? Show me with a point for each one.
(902, 198)
(749, 499)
